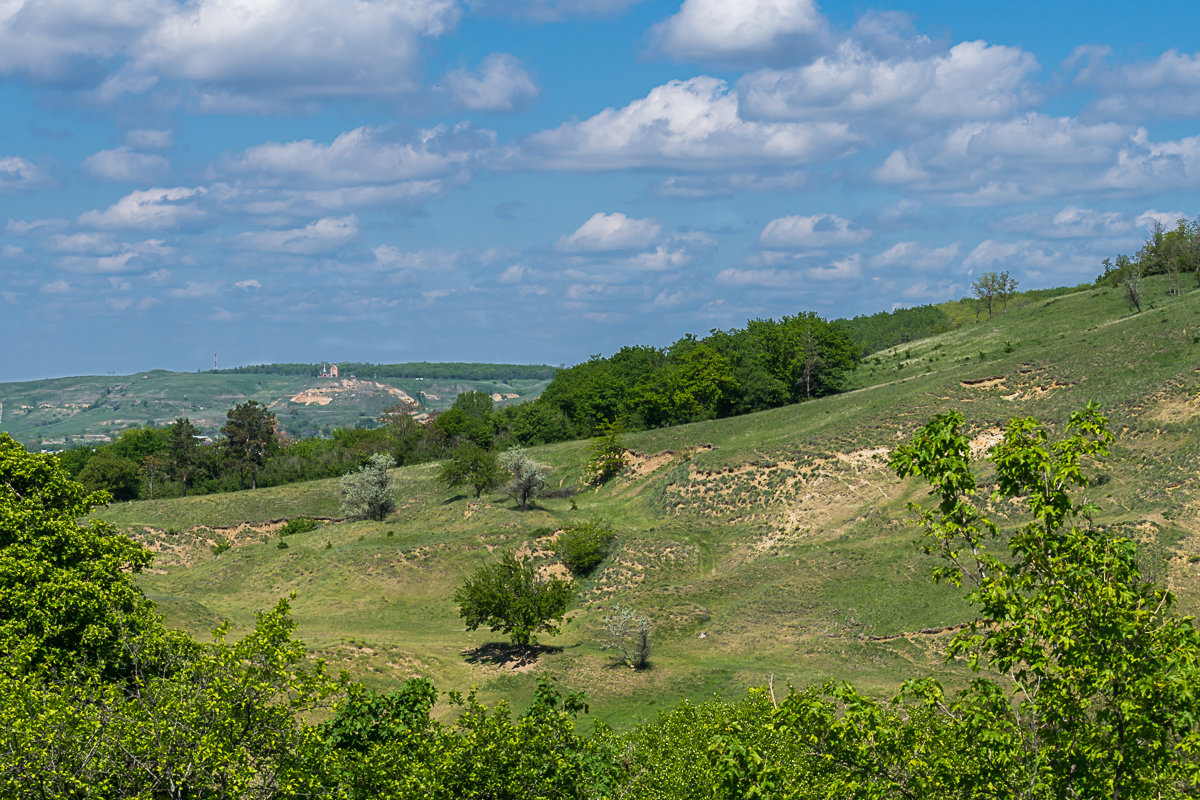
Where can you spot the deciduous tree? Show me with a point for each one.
(510, 597)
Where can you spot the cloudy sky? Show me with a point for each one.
(540, 180)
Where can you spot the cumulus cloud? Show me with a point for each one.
(19, 175)
(692, 124)
(247, 285)
(841, 270)
(972, 80)
(915, 255)
(1023, 158)
(67, 42)
(500, 84)
(125, 165)
(817, 232)
(747, 30)
(1147, 166)
(1166, 88)
(308, 203)
(610, 232)
(247, 53)
(320, 236)
(364, 155)
(149, 209)
(1070, 223)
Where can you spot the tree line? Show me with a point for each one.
(1084, 686)
(1173, 253)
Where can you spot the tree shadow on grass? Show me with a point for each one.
(503, 654)
(455, 499)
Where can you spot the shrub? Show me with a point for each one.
(607, 455)
(298, 525)
(628, 633)
(220, 546)
(583, 547)
(528, 476)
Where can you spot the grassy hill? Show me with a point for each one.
(770, 545)
(61, 412)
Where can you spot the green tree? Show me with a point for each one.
(510, 597)
(249, 432)
(582, 547)
(988, 288)
(1099, 696)
(528, 477)
(628, 633)
(108, 472)
(607, 454)
(66, 590)
(473, 466)
(183, 450)
(368, 493)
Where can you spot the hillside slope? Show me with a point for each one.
(766, 545)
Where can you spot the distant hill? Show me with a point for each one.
(63, 412)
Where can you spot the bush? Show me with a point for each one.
(583, 547)
(220, 546)
(607, 455)
(628, 633)
(528, 476)
(369, 493)
(298, 525)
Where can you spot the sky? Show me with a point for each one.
(537, 181)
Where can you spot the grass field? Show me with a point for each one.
(770, 546)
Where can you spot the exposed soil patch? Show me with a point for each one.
(349, 390)
(984, 383)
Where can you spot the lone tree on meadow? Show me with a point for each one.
(368, 493)
(992, 287)
(511, 598)
(528, 476)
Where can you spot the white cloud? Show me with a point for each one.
(768, 278)
(320, 236)
(61, 41)
(150, 138)
(247, 285)
(1168, 87)
(916, 256)
(811, 233)
(56, 287)
(746, 30)
(840, 270)
(500, 84)
(361, 156)
(96, 257)
(193, 289)
(247, 53)
(149, 209)
(125, 165)
(1146, 166)
(1070, 223)
(513, 274)
(308, 203)
(19, 175)
(79, 243)
(692, 124)
(550, 10)
(610, 232)
(729, 183)
(23, 227)
(1168, 219)
(972, 80)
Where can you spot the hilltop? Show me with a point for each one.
(771, 544)
(61, 412)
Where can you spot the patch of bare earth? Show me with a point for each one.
(349, 389)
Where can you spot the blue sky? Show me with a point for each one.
(541, 180)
